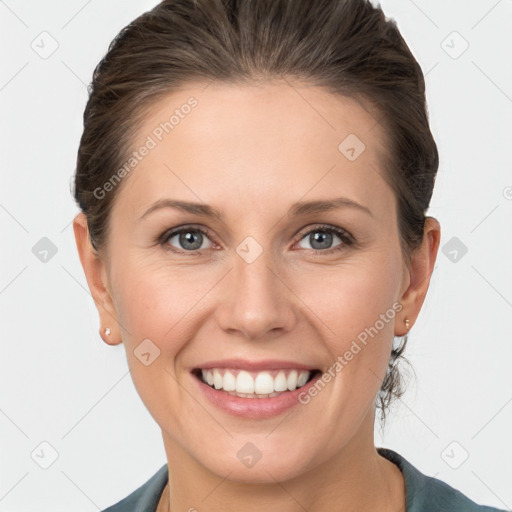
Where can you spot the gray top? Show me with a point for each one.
(423, 493)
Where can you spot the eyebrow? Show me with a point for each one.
(297, 209)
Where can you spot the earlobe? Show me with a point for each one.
(420, 271)
(107, 336)
(95, 274)
(404, 326)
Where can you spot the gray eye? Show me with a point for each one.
(188, 239)
(320, 239)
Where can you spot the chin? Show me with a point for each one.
(251, 465)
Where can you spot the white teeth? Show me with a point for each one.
(208, 376)
(302, 379)
(292, 380)
(264, 384)
(217, 379)
(229, 382)
(244, 382)
(280, 383)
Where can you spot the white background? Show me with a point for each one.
(60, 384)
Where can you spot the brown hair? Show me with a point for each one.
(346, 46)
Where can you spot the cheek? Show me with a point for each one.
(153, 301)
(352, 296)
(152, 304)
(355, 306)
(160, 308)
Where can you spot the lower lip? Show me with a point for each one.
(254, 408)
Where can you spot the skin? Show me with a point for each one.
(251, 151)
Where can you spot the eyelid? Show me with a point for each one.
(326, 227)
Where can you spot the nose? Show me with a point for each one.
(256, 301)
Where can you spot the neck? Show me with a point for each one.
(355, 478)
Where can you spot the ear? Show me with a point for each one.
(96, 275)
(419, 273)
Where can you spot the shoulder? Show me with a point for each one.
(146, 497)
(425, 493)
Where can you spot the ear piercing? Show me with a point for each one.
(107, 331)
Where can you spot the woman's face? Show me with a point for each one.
(270, 288)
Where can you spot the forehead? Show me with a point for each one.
(270, 142)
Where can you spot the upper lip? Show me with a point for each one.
(252, 365)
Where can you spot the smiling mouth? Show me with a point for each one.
(248, 384)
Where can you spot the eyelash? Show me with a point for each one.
(346, 238)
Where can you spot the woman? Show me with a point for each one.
(253, 178)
